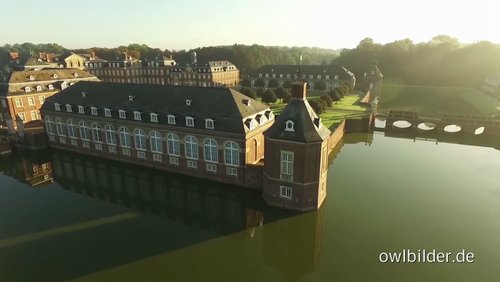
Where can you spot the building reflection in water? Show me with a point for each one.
(207, 205)
(35, 170)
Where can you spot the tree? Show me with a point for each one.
(334, 95)
(273, 83)
(316, 105)
(248, 92)
(287, 97)
(322, 103)
(246, 82)
(327, 99)
(259, 83)
(269, 97)
(281, 92)
(260, 92)
(320, 85)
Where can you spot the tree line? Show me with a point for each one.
(441, 61)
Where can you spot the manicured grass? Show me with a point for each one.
(346, 108)
(433, 100)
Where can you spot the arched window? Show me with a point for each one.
(49, 125)
(210, 152)
(124, 137)
(191, 147)
(155, 141)
(71, 129)
(96, 132)
(231, 154)
(51, 87)
(27, 89)
(110, 134)
(60, 127)
(84, 131)
(39, 88)
(140, 139)
(290, 126)
(173, 144)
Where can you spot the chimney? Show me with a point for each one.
(299, 90)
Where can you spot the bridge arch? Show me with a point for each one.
(452, 128)
(380, 122)
(426, 126)
(403, 124)
(479, 130)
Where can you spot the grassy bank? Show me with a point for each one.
(434, 99)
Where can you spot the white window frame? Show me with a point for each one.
(173, 145)
(31, 101)
(210, 150)
(209, 123)
(286, 192)
(153, 117)
(189, 121)
(107, 112)
(171, 119)
(41, 99)
(140, 139)
(19, 103)
(93, 111)
(84, 131)
(122, 114)
(34, 115)
(110, 134)
(232, 154)
(286, 165)
(22, 116)
(69, 109)
(156, 142)
(96, 133)
(191, 147)
(81, 110)
(137, 115)
(289, 126)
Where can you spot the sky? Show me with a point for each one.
(188, 24)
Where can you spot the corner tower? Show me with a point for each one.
(373, 77)
(296, 156)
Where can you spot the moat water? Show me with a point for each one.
(105, 221)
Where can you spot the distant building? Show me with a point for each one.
(165, 71)
(214, 133)
(332, 75)
(22, 93)
(81, 61)
(372, 80)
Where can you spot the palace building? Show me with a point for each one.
(22, 93)
(332, 75)
(208, 132)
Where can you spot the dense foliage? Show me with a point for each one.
(441, 61)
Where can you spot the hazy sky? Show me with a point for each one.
(188, 24)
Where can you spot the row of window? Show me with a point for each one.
(83, 131)
(31, 101)
(34, 115)
(336, 77)
(38, 88)
(122, 114)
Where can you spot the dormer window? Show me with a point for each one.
(69, 109)
(327, 77)
(75, 74)
(64, 85)
(51, 87)
(54, 75)
(27, 89)
(188, 102)
(171, 119)
(107, 112)
(209, 123)
(81, 110)
(131, 98)
(32, 77)
(39, 88)
(137, 115)
(289, 126)
(121, 114)
(190, 121)
(336, 77)
(153, 117)
(93, 111)
(57, 107)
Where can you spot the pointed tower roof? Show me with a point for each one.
(373, 70)
(298, 122)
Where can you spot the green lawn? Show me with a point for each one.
(433, 99)
(346, 108)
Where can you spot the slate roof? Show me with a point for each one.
(18, 80)
(300, 112)
(307, 70)
(224, 105)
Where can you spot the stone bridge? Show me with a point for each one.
(475, 124)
